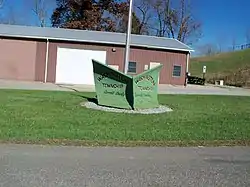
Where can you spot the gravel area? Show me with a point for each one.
(159, 110)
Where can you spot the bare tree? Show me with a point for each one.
(1, 6)
(161, 11)
(40, 10)
(140, 18)
(187, 27)
(9, 16)
(1, 3)
(145, 14)
(177, 22)
(220, 42)
(207, 49)
(219, 46)
(248, 36)
(234, 43)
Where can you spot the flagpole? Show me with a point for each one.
(128, 38)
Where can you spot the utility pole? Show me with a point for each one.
(126, 57)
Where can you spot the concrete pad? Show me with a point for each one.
(32, 85)
(28, 85)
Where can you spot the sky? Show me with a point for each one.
(222, 20)
(21, 11)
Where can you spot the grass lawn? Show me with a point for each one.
(221, 63)
(37, 116)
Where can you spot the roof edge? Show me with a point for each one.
(189, 49)
(93, 41)
(183, 44)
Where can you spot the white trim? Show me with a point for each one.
(150, 65)
(187, 63)
(46, 60)
(93, 41)
(116, 67)
(182, 44)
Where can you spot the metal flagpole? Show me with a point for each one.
(126, 58)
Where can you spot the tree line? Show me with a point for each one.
(225, 44)
(163, 18)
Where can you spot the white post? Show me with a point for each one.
(46, 60)
(126, 58)
(187, 68)
(187, 63)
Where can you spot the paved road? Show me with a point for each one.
(163, 89)
(203, 90)
(44, 166)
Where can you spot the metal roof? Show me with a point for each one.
(91, 37)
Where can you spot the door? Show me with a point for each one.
(116, 67)
(155, 64)
(74, 66)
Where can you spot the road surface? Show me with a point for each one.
(50, 166)
(163, 89)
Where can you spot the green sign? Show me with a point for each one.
(115, 89)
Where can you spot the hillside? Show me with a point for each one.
(233, 68)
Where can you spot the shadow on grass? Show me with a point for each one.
(95, 101)
(64, 86)
(89, 99)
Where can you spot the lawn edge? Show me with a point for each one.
(60, 142)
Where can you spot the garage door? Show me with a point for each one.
(74, 66)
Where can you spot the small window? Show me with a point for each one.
(132, 67)
(177, 71)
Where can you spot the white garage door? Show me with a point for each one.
(74, 66)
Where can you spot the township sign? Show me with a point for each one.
(116, 89)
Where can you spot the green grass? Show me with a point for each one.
(233, 68)
(220, 63)
(57, 116)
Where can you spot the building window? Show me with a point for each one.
(177, 71)
(132, 67)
